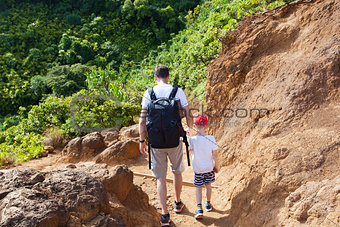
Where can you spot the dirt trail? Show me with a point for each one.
(217, 217)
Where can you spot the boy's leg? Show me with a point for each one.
(199, 211)
(199, 195)
(208, 191)
(162, 194)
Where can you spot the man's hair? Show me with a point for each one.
(162, 71)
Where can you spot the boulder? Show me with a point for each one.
(130, 132)
(84, 148)
(120, 151)
(118, 180)
(75, 195)
(110, 137)
(33, 198)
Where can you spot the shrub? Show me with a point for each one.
(73, 19)
(66, 80)
(54, 137)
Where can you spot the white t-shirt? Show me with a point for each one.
(202, 147)
(163, 91)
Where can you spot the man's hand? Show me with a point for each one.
(143, 148)
(188, 132)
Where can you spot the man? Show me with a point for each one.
(159, 156)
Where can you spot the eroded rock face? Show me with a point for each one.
(88, 195)
(311, 201)
(273, 99)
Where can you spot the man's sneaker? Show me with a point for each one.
(165, 220)
(208, 206)
(178, 207)
(199, 212)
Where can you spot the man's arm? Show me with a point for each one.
(142, 131)
(188, 118)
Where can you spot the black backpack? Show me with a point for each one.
(163, 122)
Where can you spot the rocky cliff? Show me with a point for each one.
(274, 105)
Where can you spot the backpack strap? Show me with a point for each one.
(152, 93)
(185, 141)
(173, 92)
(149, 151)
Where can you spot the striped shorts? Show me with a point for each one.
(204, 178)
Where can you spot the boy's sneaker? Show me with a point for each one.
(165, 220)
(208, 206)
(199, 212)
(178, 207)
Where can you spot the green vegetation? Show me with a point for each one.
(69, 67)
(37, 36)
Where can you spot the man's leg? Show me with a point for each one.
(162, 194)
(178, 186)
(177, 168)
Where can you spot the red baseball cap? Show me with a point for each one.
(201, 120)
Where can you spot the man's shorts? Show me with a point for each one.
(159, 160)
(204, 178)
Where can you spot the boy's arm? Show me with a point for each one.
(190, 145)
(216, 166)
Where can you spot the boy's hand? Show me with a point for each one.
(188, 131)
(216, 169)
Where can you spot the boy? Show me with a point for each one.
(204, 162)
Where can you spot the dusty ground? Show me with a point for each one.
(217, 217)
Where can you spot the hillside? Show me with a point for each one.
(273, 102)
(281, 166)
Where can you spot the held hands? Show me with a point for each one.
(143, 148)
(189, 132)
(216, 169)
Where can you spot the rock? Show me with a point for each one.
(84, 148)
(44, 154)
(311, 202)
(93, 143)
(119, 182)
(130, 132)
(85, 195)
(110, 137)
(73, 148)
(26, 207)
(107, 146)
(36, 198)
(281, 68)
(48, 149)
(120, 151)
